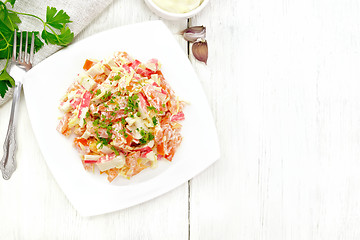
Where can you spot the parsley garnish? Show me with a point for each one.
(152, 108)
(123, 121)
(115, 150)
(55, 32)
(98, 92)
(117, 77)
(154, 120)
(106, 95)
(146, 136)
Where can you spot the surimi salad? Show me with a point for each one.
(124, 114)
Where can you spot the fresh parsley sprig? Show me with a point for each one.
(55, 31)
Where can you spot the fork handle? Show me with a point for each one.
(8, 163)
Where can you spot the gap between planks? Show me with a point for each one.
(189, 181)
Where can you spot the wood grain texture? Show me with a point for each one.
(284, 89)
(282, 81)
(32, 206)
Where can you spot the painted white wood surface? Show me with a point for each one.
(284, 89)
(282, 81)
(32, 206)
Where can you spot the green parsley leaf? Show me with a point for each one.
(63, 39)
(6, 40)
(10, 19)
(4, 85)
(55, 18)
(98, 92)
(6, 81)
(55, 32)
(12, 2)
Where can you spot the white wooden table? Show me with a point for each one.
(283, 83)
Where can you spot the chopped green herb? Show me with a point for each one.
(98, 92)
(104, 141)
(115, 150)
(96, 122)
(154, 120)
(146, 136)
(132, 103)
(87, 114)
(138, 114)
(151, 108)
(123, 121)
(106, 95)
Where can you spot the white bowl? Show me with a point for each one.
(174, 16)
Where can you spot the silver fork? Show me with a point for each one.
(20, 66)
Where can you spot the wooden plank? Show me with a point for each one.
(282, 81)
(31, 204)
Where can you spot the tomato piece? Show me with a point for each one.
(160, 149)
(129, 139)
(88, 64)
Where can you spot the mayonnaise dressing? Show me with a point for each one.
(178, 6)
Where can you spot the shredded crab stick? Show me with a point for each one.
(124, 114)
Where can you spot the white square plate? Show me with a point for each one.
(92, 194)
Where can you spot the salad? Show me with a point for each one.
(124, 114)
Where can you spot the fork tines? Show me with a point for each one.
(24, 58)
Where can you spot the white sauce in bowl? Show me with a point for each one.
(178, 6)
